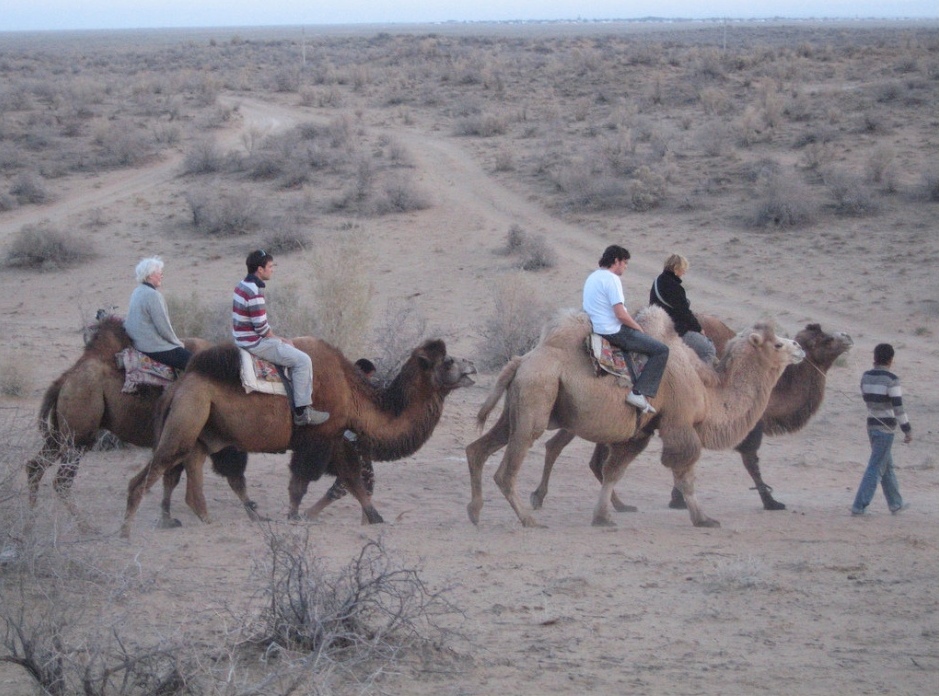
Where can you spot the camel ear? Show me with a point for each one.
(424, 362)
(755, 339)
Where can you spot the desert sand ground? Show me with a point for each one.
(808, 600)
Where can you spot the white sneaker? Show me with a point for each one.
(639, 401)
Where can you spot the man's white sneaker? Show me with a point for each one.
(639, 401)
(310, 416)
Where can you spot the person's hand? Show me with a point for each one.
(908, 438)
(287, 341)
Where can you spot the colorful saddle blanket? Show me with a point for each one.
(260, 375)
(608, 358)
(142, 369)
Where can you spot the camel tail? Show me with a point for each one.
(502, 383)
(48, 418)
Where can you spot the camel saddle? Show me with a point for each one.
(260, 375)
(607, 358)
(142, 369)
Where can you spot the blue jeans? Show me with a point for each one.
(879, 469)
(630, 339)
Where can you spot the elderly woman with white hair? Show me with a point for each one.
(148, 321)
(667, 292)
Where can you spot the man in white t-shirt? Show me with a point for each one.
(605, 303)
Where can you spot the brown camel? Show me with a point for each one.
(796, 397)
(209, 410)
(87, 398)
(555, 386)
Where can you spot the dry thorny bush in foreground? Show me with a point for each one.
(67, 615)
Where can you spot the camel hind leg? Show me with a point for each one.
(600, 453)
(619, 456)
(477, 452)
(50, 452)
(552, 450)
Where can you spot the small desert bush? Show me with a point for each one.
(532, 252)
(852, 196)
(399, 194)
(46, 248)
(193, 316)
(514, 327)
(402, 329)
(28, 189)
(223, 214)
(286, 239)
(481, 125)
(880, 167)
(342, 299)
(203, 157)
(783, 201)
(15, 374)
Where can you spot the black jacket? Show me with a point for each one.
(671, 297)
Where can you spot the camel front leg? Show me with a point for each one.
(194, 465)
(62, 484)
(477, 452)
(50, 452)
(619, 457)
(231, 463)
(749, 449)
(680, 452)
(141, 483)
(552, 450)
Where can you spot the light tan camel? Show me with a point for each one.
(209, 410)
(87, 398)
(555, 386)
(796, 397)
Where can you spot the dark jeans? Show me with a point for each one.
(178, 357)
(631, 340)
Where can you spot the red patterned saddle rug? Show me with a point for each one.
(142, 369)
(608, 358)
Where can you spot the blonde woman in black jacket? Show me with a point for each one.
(667, 292)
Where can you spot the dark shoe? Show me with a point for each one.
(310, 416)
(639, 401)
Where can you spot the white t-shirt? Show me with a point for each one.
(602, 290)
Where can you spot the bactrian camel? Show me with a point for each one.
(87, 398)
(555, 386)
(796, 397)
(209, 410)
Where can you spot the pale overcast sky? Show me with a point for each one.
(20, 15)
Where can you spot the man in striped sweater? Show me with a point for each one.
(252, 332)
(884, 399)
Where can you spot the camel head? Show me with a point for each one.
(446, 372)
(822, 349)
(784, 350)
(106, 338)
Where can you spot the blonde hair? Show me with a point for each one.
(147, 267)
(676, 262)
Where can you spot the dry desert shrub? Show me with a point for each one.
(28, 189)
(852, 196)
(223, 214)
(194, 316)
(203, 157)
(783, 201)
(342, 297)
(16, 376)
(514, 327)
(43, 247)
(532, 252)
(481, 125)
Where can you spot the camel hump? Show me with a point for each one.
(655, 322)
(221, 363)
(569, 327)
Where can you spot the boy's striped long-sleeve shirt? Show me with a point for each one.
(249, 313)
(884, 399)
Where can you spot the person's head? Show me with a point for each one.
(677, 264)
(883, 354)
(150, 270)
(366, 366)
(257, 259)
(613, 254)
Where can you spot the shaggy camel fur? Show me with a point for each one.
(209, 410)
(87, 398)
(555, 386)
(796, 397)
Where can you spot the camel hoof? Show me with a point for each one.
(251, 508)
(773, 504)
(603, 522)
(536, 501)
(532, 523)
(169, 523)
(623, 507)
(294, 516)
(473, 512)
(373, 516)
(678, 501)
(707, 522)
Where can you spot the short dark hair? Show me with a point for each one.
(257, 259)
(612, 254)
(883, 354)
(365, 365)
